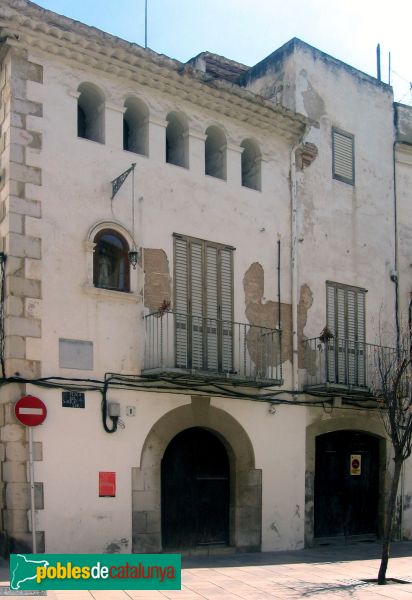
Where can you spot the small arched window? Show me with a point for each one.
(111, 269)
(177, 140)
(90, 113)
(135, 127)
(251, 165)
(215, 153)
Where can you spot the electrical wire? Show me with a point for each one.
(177, 385)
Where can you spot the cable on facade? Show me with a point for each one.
(163, 385)
(105, 414)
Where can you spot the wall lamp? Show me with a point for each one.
(133, 256)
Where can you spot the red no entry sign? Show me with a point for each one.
(30, 411)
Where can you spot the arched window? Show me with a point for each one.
(110, 264)
(251, 165)
(215, 153)
(176, 140)
(90, 113)
(135, 127)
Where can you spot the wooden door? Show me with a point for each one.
(195, 490)
(346, 499)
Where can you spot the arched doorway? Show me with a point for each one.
(195, 490)
(245, 523)
(346, 485)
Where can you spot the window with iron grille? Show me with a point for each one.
(203, 304)
(345, 310)
(343, 156)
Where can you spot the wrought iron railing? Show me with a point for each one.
(343, 362)
(197, 345)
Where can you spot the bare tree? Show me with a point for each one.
(393, 394)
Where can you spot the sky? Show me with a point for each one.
(248, 30)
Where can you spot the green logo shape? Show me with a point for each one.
(95, 571)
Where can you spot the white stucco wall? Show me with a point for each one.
(345, 234)
(75, 196)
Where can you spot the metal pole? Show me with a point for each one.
(32, 506)
(378, 61)
(145, 23)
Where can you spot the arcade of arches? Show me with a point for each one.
(197, 483)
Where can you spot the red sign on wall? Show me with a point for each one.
(107, 484)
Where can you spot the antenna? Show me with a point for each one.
(145, 23)
(389, 69)
(378, 61)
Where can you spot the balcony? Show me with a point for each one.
(344, 367)
(196, 348)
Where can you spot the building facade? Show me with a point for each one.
(199, 260)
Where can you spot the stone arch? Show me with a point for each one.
(251, 162)
(245, 480)
(135, 126)
(215, 152)
(177, 141)
(90, 112)
(365, 423)
(90, 246)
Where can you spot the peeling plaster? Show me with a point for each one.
(305, 303)
(313, 102)
(115, 547)
(266, 314)
(157, 279)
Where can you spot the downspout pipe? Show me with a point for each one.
(395, 276)
(279, 314)
(294, 260)
(395, 279)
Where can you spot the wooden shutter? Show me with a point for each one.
(196, 304)
(346, 320)
(181, 307)
(360, 332)
(226, 300)
(203, 305)
(212, 308)
(330, 345)
(343, 156)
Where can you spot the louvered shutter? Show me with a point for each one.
(360, 331)
(351, 342)
(330, 344)
(212, 348)
(346, 320)
(196, 302)
(343, 156)
(340, 328)
(203, 305)
(226, 300)
(181, 302)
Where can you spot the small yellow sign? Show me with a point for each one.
(355, 464)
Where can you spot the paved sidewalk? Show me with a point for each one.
(318, 573)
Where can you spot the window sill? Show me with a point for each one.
(114, 294)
